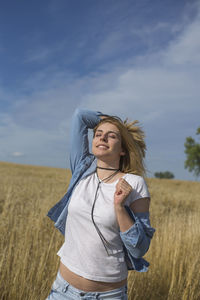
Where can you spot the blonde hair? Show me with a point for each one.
(132, 139)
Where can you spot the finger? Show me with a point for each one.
(125, 186)
(123, 181)
(118, 190)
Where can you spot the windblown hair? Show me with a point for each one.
(133, 144)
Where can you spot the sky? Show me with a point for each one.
(138, 59)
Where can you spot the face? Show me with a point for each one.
(106, 143)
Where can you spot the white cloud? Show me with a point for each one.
(40, 52)
(186, 49)
(17, 154)
(166, 81)
(39, 55)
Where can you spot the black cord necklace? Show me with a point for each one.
(103, 239)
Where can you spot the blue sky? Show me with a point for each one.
(137, 58)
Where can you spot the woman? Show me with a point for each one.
(105, 213)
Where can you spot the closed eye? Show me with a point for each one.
(109, 135)
(112, 136)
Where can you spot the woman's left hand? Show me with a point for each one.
(123, 189)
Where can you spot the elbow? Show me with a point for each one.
(79, 112)
(138, 248)
(141, 249)
(136, 240)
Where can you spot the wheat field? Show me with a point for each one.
(29, 241)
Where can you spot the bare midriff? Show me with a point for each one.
(88, 285)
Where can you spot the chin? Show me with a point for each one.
(99, 154)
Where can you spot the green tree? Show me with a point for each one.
(192, 151)
(165, 174)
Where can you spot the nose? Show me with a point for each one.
(104, 137)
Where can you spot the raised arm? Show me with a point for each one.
(82, 120)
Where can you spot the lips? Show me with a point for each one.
(101, 146)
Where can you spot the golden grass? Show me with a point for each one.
(29, 242)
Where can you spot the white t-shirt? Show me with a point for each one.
(83, 251)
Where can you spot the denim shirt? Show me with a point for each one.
(136, 239)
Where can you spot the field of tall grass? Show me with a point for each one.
(29, 241)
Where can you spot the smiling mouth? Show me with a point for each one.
(102, 147)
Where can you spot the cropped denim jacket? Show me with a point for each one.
(136, 239)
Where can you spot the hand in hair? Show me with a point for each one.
(123, 189)
(103, 117)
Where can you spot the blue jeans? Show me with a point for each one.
(62, 290)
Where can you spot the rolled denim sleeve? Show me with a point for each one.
(138, 237)
(82, 120)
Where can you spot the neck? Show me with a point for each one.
(109, 165)
(105, 169)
